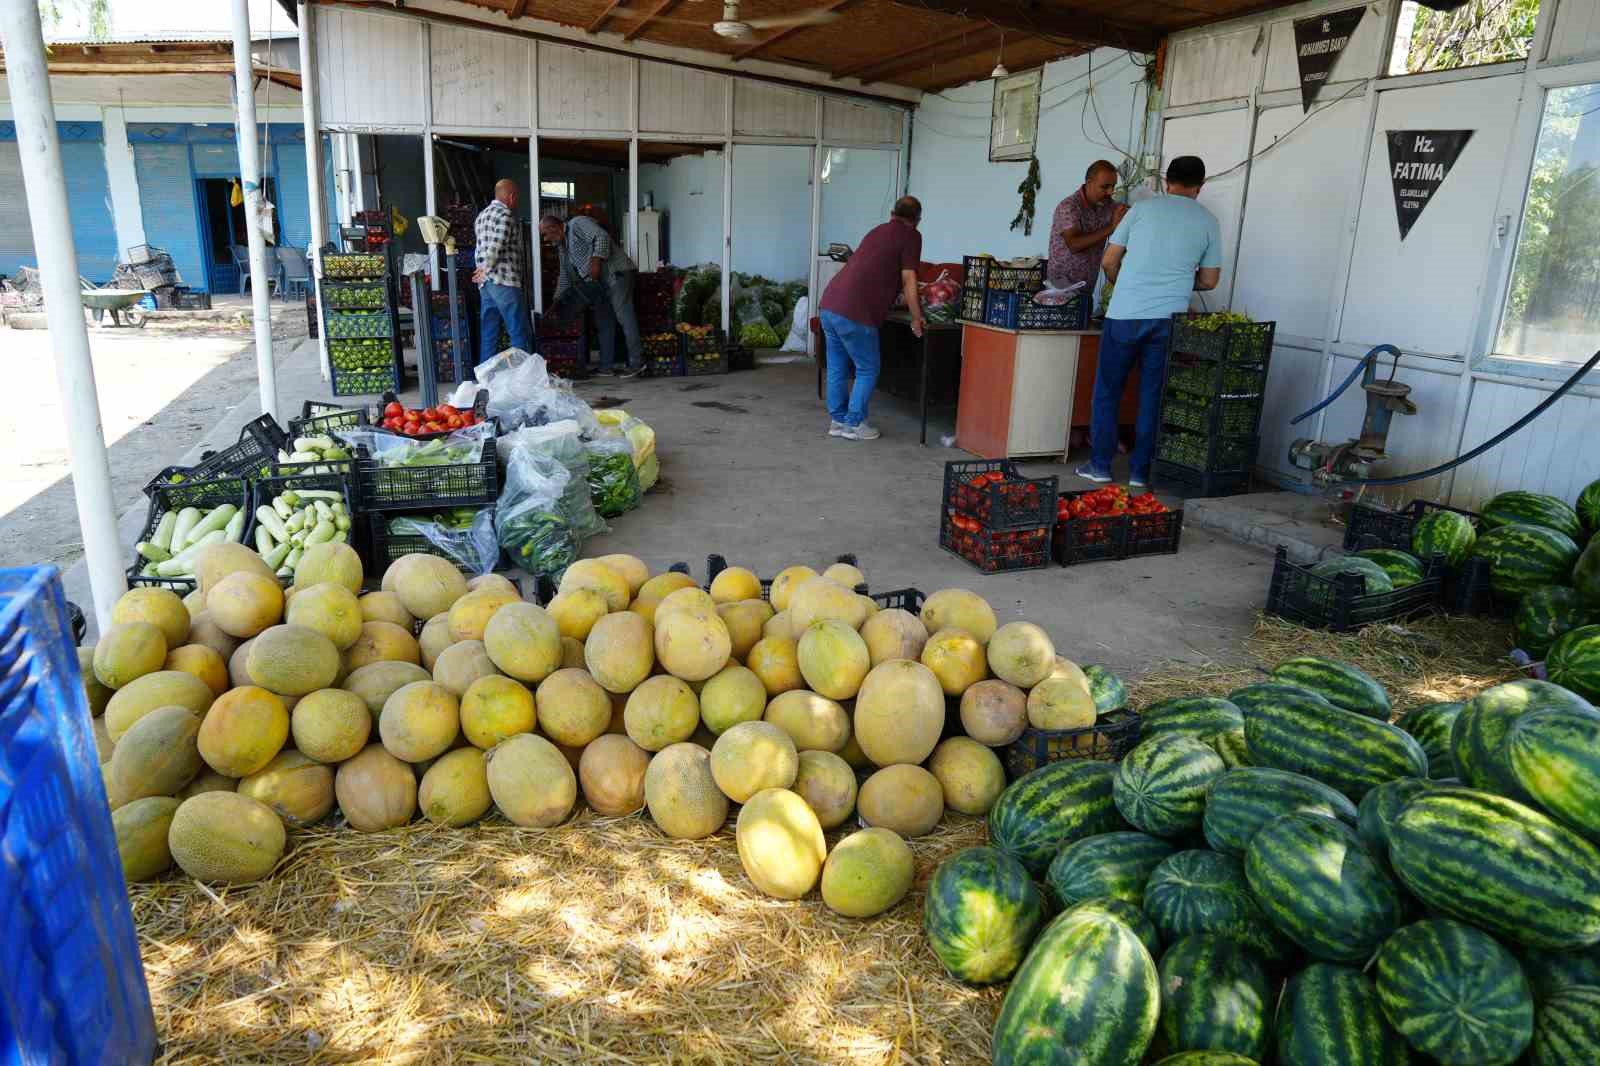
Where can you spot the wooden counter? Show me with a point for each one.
(1019, 389)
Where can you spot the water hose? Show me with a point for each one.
(1361, 365)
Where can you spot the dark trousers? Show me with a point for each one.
(1124, 344)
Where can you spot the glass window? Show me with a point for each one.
(1478, 32)
(556, 190)
(1553, 305)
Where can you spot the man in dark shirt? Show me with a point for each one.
(855, 304)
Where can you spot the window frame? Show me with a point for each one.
(1536, 46)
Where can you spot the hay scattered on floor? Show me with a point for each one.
(602, 941)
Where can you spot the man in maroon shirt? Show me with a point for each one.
(855, 304)
(1081, 225)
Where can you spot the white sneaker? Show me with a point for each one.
(861, 432)
(837, 429)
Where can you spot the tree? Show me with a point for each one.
(98, 13)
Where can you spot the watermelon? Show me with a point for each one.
(1445, 533)
(1380, 807)
(1477, 739)
(1588, 506)
(1204, 892)
(1403, 568)
(1374, 579)
(1546, 613)
(1454, 993)
(1088, 993)
(1129, 915)
(1292, 730)
(981, 913)
(1107, 866)
(1109, 693)
(1044, 810)
(1321, 888)
(1550, 971)
(1555, 756)
(1207, 1058)
(1242, 801)
(1567, 1030)
(1430, 725)
(1160, 786)
(1330, 1016)
(1195, 716)
(1232, 747)
(1574, 661)
(1532, 509)
(1502, 866)
(1341, 684)
(1214, 997)
(1586, 573)
(1523, 557)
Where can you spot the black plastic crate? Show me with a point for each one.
(1017, 310)
(251, 456)
(973, 302)
(1230, 416)
(1207, 455)
(1112, 537)
(701, 363)
(355, 295)
(1376, 527)
(324, 418)
(550, 326)
(187, 299)
(975, 271)
(1028, 279)
(342, 324)
(716, 564)
(710, 342)
(413, 488)
(905, 599)
(1229, 342)
(993, 551)
(174, 497)
(1340, 603)
(1018, 502)
(364, 382)
(571, 367)
(1203, 381)
(347, 265)
(1466, 591)
(1196, 484)
(740, 357)
(384, 547)
(1112, 736)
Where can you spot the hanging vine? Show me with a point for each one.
(1029, 190)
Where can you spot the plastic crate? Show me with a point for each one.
(1028, 279)
(175, 497)
(267, 489)
(1230, 342)
(1017, 310)
(342, 324)
(325, 418)
(1340, 603)
(701, 363)
(1202, 381)
(571, 367)
(1016, 503)
(364, 382)
(185, 299)
(354, 295)
(1207, 455)
(251, 456)
(903, 599)
(740, 357)
(550, 326)
(1219, 416)
(1000, 551)
(716, 564)
(1112, 736)
(313, 319)
(972, 304)
(74, 990)
(656, 322)
(418, 488)
(701, 343)
(354, 264)
(1376, 527)
(1196, 484)
(385, 547)
(1111, 537)
(1466, 591)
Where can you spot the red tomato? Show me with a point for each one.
(469, 419)
(393, 409)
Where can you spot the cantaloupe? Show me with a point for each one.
(523, 642)
(572, 655)
(242, 731)
(375, 790)
(663, 710)
(894, 634)
(630, 568)
(331, 725)
(960, 609)
(245, 602)
(969, 774)
(493, 581)
(620, 651)
(164, 688)
(380, 642)
(338, 563)
(899, 713)
(693, 598)
(776, 661)
(645, 607)
(867, 873)
(1062, 701)
(572, 708)
(496, 707)
(682, 795)
(820, 598)
(813, 722)
(691, 643)
(828, 785)
(664, 585)
(591, 573)
(298, 788)
(141, 830)
(744, 620)
(103, 744)
(420, 721)
(202, 662)
(469, 615)
(845, 574)
(780, 626)
(376, 682)
(225, 837)
(459, 665)
(783, 586)
(611, 773)
(329, 609)
(994, 712)
(905, 798)
(160, 607)
(237, 674)
(957, 659)
(428, 585)
(95, 693)
(753, 756)
(158, 754)
(216, 562)
(735, 583)
(292, 660)
(1021, 653)
(577, 610)
(204, 630)
(208, 781)
(455, 790)
(194, 602)
(127, 652)
(851, 753)
(732, 695)
(780, 843)
(531, 781)
(833, 659)
(385, 607)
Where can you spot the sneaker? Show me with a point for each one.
(837, 429)
(1139, 483)
(861, 432)
(629, 372)
(1089, 473)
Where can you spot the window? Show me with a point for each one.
(1014, 122)
(1553, 304)
(1478, 32)
(557, 190)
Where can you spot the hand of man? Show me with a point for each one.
(594, 269)
(478, 276)
(918, 325)
(1117, 213)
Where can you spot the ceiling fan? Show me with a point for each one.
(735, 28)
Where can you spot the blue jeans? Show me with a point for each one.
(501, 304)
(858, 344)
(1124, 344)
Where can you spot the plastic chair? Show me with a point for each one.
(294, 273)
(241, 263)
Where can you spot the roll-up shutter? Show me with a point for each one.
(16, 236)
(166, 193)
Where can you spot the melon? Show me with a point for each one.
(336, 563)
(867, 873)
(827, 784)
(376, 682)
(572, 707)
(204, 630)
(781, 626)
(469, 615)
(433, 640)
(630, 568)
(577, 611)
(164, 688)
(127, 652)
(208, 781)
(959, 609)
(732, 695)
(201, 661)
(571, 654)
(531, 781)
(428, 585)
(620, 651)
(780, 843)
(237, 674)
(158, 754)
(776, 661)
(214, 563)
(523, 641)
(330, 725)
(160, 607)
(95, 692)
(969, 773)
(851, 752)
(956, 658)
(493, 581)
(375, 790)
(833, 659)
(245, 602)
(496, 707)
(813, 722)
(819, 598)
(194, 602)
(745, 621)
(645, 607)
(691, 643)
(611, 773)
(868, 604)
(845, 574)
(459, 665)
(385, 607)
(1062, 701)
(784, 585)
(295, 786)
(292, 660)
(735, 583)
(661, 586)
(691, 598)
(225, 837)
(682, 794)
(1021, 653)
(141, 829)
(905, 798)
(114, 798)
(593, 574)
(380, 642)
(420, 721)
(103, 744)
(994, 712)
(455, 790)
(899, 713)
(329, 609)
(752, 757)
(242, 731)
(894, 634)
(661, 712)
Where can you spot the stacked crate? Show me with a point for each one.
(564, 344)
(653, 304)
(444, 352)
(995, 518)
(360, 323)
(1211, 402)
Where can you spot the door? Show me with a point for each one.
(168, 205)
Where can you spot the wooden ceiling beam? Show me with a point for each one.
(984, 39)
(638, 27)
(604, 16)
(750, 50)
(920, 46)
(517, 10)
(1034, 21)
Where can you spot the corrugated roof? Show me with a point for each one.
(190, 37)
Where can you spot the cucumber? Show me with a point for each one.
(180, 529)
(235, 527)
(182, 564)
(162, 538)
(217, 518)
(153, 552)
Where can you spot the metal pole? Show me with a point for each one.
(422, 327)
(309, 103)
(250, 174)
(46, 185)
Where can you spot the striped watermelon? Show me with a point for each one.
(1502, 866)
(1573, 661)
(1206, 892)
(1293, 730)
(1586, 573)
(1477, 739)
(1330, 1016)
(1207, 1058)
(1430, 725)
(1546, 613)
(1380, 807)
(1550, 971)
(1214, 997)
(1532, 509)
(1232, 747)
(1195, 716)
(1588, 506)
(1242, 801)
(1321, 888)
(1555, 756)
(1567, 1029)
(1454, 993)
(1443, 533)
(1341, 684)
(1088, 995)
(1042, 811)
(1109, 693)
(981, 913)
(1523, 557)
(1403, 568)
(1374, 579)
(1129, 915)
(1107, 866)
(1160, 786)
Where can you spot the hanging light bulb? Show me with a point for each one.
(1000, 70)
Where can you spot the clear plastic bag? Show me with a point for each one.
(561, 442)
(613, 479)
(512, 378)
(396, 449)
(531, 522)
(472, 547)
(554, 403)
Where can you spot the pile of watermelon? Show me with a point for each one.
(1286, 876)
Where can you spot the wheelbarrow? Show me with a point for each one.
(119, 303)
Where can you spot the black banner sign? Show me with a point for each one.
(1419, 161)
(1318, 43)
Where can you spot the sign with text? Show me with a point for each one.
(1318, 44)
(1419, 161)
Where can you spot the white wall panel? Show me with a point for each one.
(581, 89)
(1221, 140)
(1556, 454)
(1213, 67)
(1577, 30)
(1360, 58)
(479, 79)
(675, 99)
(1294, 383)
(369, 68)
(849, 122)
(765, 110)
(1416, 442)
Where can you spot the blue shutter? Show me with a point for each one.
(16, 234)
(89, 203)
(294, 199)
(166, 193)
(216, 160)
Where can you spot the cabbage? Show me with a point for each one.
(759, 335)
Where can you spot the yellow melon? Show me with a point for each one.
(663, 585)
(95, 693)
(292, 660)
(242, 731)
(202, 662)
(434, 639)
(572, 707)
(691, 598)
(469, 615)
(592, 573)
(237, 674)
(141, 830)
(337, 563)
(745, 621)
(819, 598)
(732, 695)
(867, 873)
(331, 725)
(459, 665)
(114, 798)
(523, 641)
(894, 634)
(899, 713)
(691, 643)
(298, 788)
(783, 586)
(959, 609)
(833, 659)
(455, 790)
(376, 682)
(1021, 653)
(611, 773)
(956, 658)
(868, 604)
(845, 574)
(576, 611)
(160, 607)
(681, 793)
(828, 785)
(645, 607)
(994, 712)
(661, 711)
(384, 607)
(780, 843)
(208, 781)
(164, 688)
(620, 651)
(494, 708)
(571, 654)
(216, 562)
(428, 585)
(103, 744)
(194, 603)
(380, 642)
(204, 630)
(969, 773)
(245, 602)
(630, 568)
(753, 756)
(780, 626)
(1062, 701)
(851, 753)
(813, 722)
(905, 798)
(225, 837)
(493, 581)
(157, 755)
(421, 720)
(776, 661)
(329, 609)
(531, 781)
(128, 651)
(735, 583)
(375, 790)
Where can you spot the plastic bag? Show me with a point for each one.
(555, 403)
(567, 448)
(649, 472)
(394, 449)
(800, 327)
(640, 435)
(465, 536)
(512, 377)
(531, 523)
(613, 479)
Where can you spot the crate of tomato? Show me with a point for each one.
(994, 492)
(995, 550)
(1107, 523)
(427, 422)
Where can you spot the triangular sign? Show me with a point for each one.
(1318, 44)
(1419, 161)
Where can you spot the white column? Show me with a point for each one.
(250, 174)
(126, 213)
(309, 101)
(536, 210)
(633, 197)
(46, 185)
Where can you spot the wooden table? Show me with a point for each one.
(894, 337)
(1019, 389)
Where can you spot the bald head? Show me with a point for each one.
(505, 190)
(908, 208)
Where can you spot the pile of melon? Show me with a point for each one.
(244, 711)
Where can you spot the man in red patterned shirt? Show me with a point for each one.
(1082, 223)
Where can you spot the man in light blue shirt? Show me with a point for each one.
(1163, 250)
